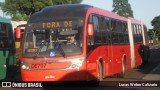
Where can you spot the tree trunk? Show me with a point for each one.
(154, 37)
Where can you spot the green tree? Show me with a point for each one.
(55, 2)
(23, 9)
(156, 28)
(152, 33)
(122, 7)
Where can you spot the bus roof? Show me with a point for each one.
(60, 11)
(73, 10)
(107, 13)
(135, 21)
(4, 20)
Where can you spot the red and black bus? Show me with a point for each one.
(106, 44)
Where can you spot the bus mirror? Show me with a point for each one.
(18, 33)
(90, 30)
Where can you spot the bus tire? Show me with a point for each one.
(122, 74)
(100, 72)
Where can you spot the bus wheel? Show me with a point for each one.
(122, 74)
(100, 72)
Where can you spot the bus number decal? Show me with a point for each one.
(38, 66)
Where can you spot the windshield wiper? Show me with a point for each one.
(57, 44)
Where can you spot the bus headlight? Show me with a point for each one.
(25, 66)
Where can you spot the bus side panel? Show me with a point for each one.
(120, 53)
(106, 57)
(99, 53)
(7, 64)
(92, 64)
(108, 70)
(117, 60)
(3, 68)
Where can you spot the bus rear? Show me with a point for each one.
(47, 51)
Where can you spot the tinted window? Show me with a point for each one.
(6, 36)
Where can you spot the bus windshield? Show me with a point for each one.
(54, 38)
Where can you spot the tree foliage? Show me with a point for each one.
(55, 2)
(155, 32)
(22, 9)
(156, 23)
(122, 7)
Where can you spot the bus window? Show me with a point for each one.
(119, 26)
(140, 29)
(115, 34)
(96, 23)
(3, 31)
(103, 30)
(113, 24)
(48, 41)
(97, 31)
(107, 21)
(90, 19)
(119, 30)
(107, 30)
(3, 36)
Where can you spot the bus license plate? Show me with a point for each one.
(38, 66)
